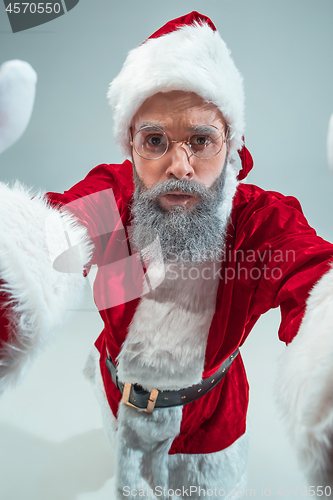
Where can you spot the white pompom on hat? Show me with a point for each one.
(186, 54)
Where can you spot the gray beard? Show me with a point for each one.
(186, 236)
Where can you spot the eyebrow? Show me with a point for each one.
(151, 125)
(203, 129)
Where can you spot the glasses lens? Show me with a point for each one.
(150, 143)
(206, 141)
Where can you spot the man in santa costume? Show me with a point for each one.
(188, 259)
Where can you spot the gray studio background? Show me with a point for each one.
(50, 433)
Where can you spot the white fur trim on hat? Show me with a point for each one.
(193, 58)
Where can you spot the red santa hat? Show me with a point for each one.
(185, 54)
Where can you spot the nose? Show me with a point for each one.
(180, 167)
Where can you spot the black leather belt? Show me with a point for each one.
(134, 395)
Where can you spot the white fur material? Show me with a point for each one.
(166, 343)
(229, 190)
(143, 461)
(17, 94)
(143, 442)
(305, 385)
(224, 470)
(193, 59)
(39, 297)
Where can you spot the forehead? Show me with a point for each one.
(177, 110)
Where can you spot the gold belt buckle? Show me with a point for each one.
(151, 400)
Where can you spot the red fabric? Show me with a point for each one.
(273, 258)
(4, 318)
(188, 19)
(247, 162)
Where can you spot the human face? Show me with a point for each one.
(177, 113)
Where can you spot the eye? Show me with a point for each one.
(201, 140)
(198, 141)
(154, 140)
(150, 143)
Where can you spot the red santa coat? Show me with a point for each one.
(273, 258)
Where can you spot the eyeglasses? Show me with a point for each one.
(205, 141)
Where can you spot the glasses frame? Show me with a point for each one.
(170, 141)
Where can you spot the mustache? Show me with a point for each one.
(169, 186)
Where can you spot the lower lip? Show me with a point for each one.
(179, 199)
(171, 200)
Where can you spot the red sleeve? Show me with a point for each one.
(282, 255)
(100, 202)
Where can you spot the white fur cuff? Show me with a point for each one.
(32, 235)
(305, 385)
